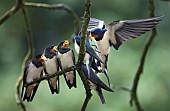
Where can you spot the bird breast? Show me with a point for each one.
(66, 59)
(51, 65)
(33, 72)
(103, 46)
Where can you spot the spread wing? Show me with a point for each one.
(121, 31)
(95, 23)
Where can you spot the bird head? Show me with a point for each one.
(54, 49)
(50, 51)
(97, 33)
(40, 57)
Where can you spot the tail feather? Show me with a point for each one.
(99, 92)
(52, 87)
(57, 90)
(106, 74)
(25, 97)
(69, 84)
(33, 92)
(74, 82)
(104, 67)
(29, 97)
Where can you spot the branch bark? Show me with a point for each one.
(134, 97)
(47, 76)
(26, 59)
(82, 54)
(11, 12)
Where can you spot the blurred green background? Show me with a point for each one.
(50, 27)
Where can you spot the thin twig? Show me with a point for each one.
(82, 54)
(123, 88)
(47, 76)
(17, 93)
(26, 59)
(134, 97)
(30, 37)
(11, 12)
(64, 7)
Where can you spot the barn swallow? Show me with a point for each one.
(89, 52)
(95, 83)
(33, 70)
(51, 67)
(67, 59)
(117, 32)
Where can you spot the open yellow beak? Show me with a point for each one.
(65, 44)
(90, 36)
(54, 49)
(43, 58)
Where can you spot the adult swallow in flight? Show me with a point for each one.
(95, 83)
(117, 32)
(33, 70)
(67, 59)
(51, 67)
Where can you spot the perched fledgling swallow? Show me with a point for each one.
(66, 59)
(51, 67)
(33, 70)
(89, 52)
(117, 32)
(95, 82)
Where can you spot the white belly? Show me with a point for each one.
(66, 60)
(33, 72)
(103, 46)
(51, 66)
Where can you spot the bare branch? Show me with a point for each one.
(11, 12)
(26, 59)
(123, 88)
(82, 54)
(134, 97)
(47, 76)
(30, 37)
(64, 7)
(17, 93)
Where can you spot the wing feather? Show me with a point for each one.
(129, 29)
(95, 23)
(24, 79)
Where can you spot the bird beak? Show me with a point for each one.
(54, 49)
(90, 36)
(43, 58)
(65, 44)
